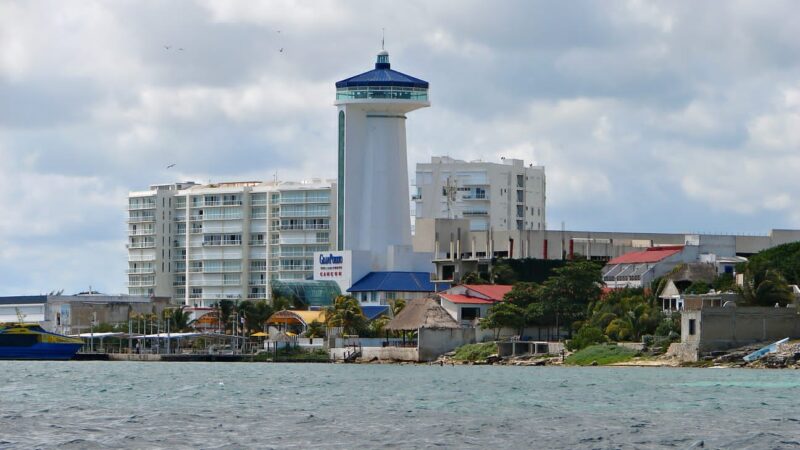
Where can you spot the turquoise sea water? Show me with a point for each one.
(217, 405)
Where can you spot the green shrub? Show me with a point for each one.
(585, 337)
(601, 354)
(475, 352)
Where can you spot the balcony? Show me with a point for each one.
(140, 207)
(225, 243)
(300, 227)
(257, 243)
(258, 216)
(444, 279)
(140, 245)
(141, 219)
(383, 93)
(297, 268)
(258, 269)
(475, 213)
(416, 197)
(258, 202)
(142, 283)
(221, 269)
(142, 258)
(141, 270)
(145, 232)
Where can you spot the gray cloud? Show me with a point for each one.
(679, 116)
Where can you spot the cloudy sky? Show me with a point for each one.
(668, 116)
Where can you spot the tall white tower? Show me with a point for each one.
(373, 203)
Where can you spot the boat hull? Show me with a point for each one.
(40, 351)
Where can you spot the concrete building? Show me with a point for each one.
(373, 201)
(205, 243)
(458, 251)
(501, 197)
(713, 329)
(73, 314)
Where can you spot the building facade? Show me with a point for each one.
(500, 197)
(205, 243)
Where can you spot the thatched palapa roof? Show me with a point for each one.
(422, 313)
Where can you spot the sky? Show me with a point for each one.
(654, 117)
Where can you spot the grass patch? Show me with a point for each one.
(475, 352)
(602, 354)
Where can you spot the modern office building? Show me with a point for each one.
(373, 201)
(501, 197)
(205, 243)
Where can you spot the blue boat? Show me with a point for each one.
(31, 341)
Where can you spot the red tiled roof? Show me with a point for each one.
(493, 291)
(651, 255)
(465, 299)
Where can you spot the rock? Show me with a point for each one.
(594, 363)
(493, 359)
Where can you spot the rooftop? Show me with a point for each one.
(382, 75)
(466, 299)
(494, 292)
(651, 255)
(394, 282)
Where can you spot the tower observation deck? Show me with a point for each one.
(373, 205)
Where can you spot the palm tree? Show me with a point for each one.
(346, 313)
(179, 318)
(397, 306)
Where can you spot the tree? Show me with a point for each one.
(587, 335)
(502, 273)
(773, 289)
(572, 290)
(315, 329)
(504, 315)
(395, 306)
(179, 318)
(473, 278)
(698, 287)
(255, 313)
(346, 313)
(226, 308)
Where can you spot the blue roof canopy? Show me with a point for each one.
(395, 282)
(373, 312)
(23, 300)
(382, 75)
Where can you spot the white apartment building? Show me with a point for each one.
(499, 197)
(205, 243)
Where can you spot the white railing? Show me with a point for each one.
(142, 270)
(142, 258)
(141, 245)
(141, 219)
(221, 243)
(147, 232)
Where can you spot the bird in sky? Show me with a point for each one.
(167, 47)
(170, 166)
(180, 49)
(281, 50)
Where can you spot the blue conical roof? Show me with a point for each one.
(382, 75)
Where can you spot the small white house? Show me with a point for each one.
(469, 302)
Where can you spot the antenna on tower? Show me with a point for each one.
(383, 38)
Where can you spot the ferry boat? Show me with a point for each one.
(31, 341)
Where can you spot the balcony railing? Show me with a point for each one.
(221, 243)
(140, 219)
(258, 202)
(382, 93)
(302, 267)
(141, 245)
(141, 258)
(300, 227)
(142, 283)
(221, 269)
(258, 216)
(475, 213)
(135, 207)
(257, 283)
(144, 270)
(146, 232)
